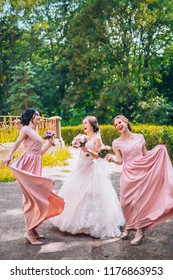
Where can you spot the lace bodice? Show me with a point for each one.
(85, 155)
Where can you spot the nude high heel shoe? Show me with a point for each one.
(138, 238)
(125, 234)
(30, 238)
(37, 235)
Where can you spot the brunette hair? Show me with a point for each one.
(124, 119)
(93, 121)
(27, 116)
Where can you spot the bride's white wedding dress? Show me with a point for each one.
(91, 203)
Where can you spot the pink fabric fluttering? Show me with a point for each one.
(39, 202)
(146, 183)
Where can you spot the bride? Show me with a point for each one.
(91, 203)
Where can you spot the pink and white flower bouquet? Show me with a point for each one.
(49, 134)
(79, 141)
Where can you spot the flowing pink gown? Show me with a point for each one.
(146, 183)
(39, 202)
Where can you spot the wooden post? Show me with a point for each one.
(57, 127)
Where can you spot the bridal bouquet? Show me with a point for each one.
(48, 134)
(79, 141)
(104, 151)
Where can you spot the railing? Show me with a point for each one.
(53, 123)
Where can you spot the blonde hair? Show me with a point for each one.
(124, 119)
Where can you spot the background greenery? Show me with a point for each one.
(154, 135)
(78, 57)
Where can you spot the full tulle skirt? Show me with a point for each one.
(91, 203)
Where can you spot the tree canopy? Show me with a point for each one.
(78, 57)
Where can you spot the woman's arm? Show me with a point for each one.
(117, 158)
(49, 144)
(144, 150)
(21, 137)
(97, 145)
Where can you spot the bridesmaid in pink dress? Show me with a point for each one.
(39, 202)
(146, 183)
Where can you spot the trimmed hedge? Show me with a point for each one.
(153, 134)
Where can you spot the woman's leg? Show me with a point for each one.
(125, 234)
(37, 235)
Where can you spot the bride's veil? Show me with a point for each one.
(98, 133)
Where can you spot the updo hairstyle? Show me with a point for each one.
(93, 121)
(27, 116)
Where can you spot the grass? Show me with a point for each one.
(6, 175)
(49, 159)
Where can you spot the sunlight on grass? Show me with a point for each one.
(56, 158)
(6, 175)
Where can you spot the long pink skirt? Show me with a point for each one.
(146, 189)
(39, 202)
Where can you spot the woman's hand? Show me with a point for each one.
(52, 141)
(104, 147)
(6, 161)
(110, 158)
(117, 158)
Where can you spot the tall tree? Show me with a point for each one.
(99, 57)
(22, 95)
(110, 54)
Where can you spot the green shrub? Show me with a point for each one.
(8, 134)
(155, 135)
(69, 132)
(6, 175)
(56, 158)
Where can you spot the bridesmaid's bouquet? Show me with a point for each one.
(104, 151)
(49, 134)
(79, 141)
